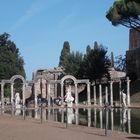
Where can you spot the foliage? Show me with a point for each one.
(73, 64)
(64, 54)
(11, 63)
(125, 12)
(95, 63)
(120, 63)
(92, 65)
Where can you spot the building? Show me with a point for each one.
(133, 54)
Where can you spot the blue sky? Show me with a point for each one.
(40, 27)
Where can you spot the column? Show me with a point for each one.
(95, 117)
(48, 95)
(23, 94)
(129, 120)
(62, 94)
(76, 116)
(100, 94)
(120, 87)
(76, 95)
(12, 93)
(89, 117)
(106, 95)
(128, 91)
(35, 95)
(94, 91)
(88, 93)
(2, 95)
(101, 118)
(112, 119)
(111, 93)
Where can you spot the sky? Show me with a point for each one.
(40, 27)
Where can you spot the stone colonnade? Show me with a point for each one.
(61, 82)
(109, 91)
(11, 82)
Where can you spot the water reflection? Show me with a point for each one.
(125, 119)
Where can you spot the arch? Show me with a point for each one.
(13, 78)
(68, 77)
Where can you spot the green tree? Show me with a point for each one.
(73, 64)
(64, 54)
(95, 63)
(11, 63)
(126, 13)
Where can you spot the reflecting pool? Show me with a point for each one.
(126, 120)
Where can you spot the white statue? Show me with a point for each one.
(70, 116)
(17, 104)
(17, 99)
(123, 98)
(68, 97)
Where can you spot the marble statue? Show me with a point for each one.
(68, 97)
(17, 104)
(70, 115)
(17, 99)
(123, 98)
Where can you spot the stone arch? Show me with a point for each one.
(62, 86)
(68, 77)
(13, 78)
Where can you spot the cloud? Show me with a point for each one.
(33, 10)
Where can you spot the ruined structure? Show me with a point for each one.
(132, 55)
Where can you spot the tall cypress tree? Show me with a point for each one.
(64, 54)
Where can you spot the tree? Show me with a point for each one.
(73, 64)
(11, 63)
(95, 63)
(64, 54)
(120, 63)
(126, 13)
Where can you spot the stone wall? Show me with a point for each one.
(133, 54)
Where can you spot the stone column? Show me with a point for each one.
(120, 87)
(35, 95)
(2, 95)
(129, 120)
(111, 93)
(76, 95)
(76, 116)
(95, 117)
(128, 91)
(106, 95)
(94, 91)
(88, 93)
(100, 94)
(101, 118)
(62, 93)
(112, 119)
(23, 94)
(12, 93)
(48, 95)
(89, 117)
